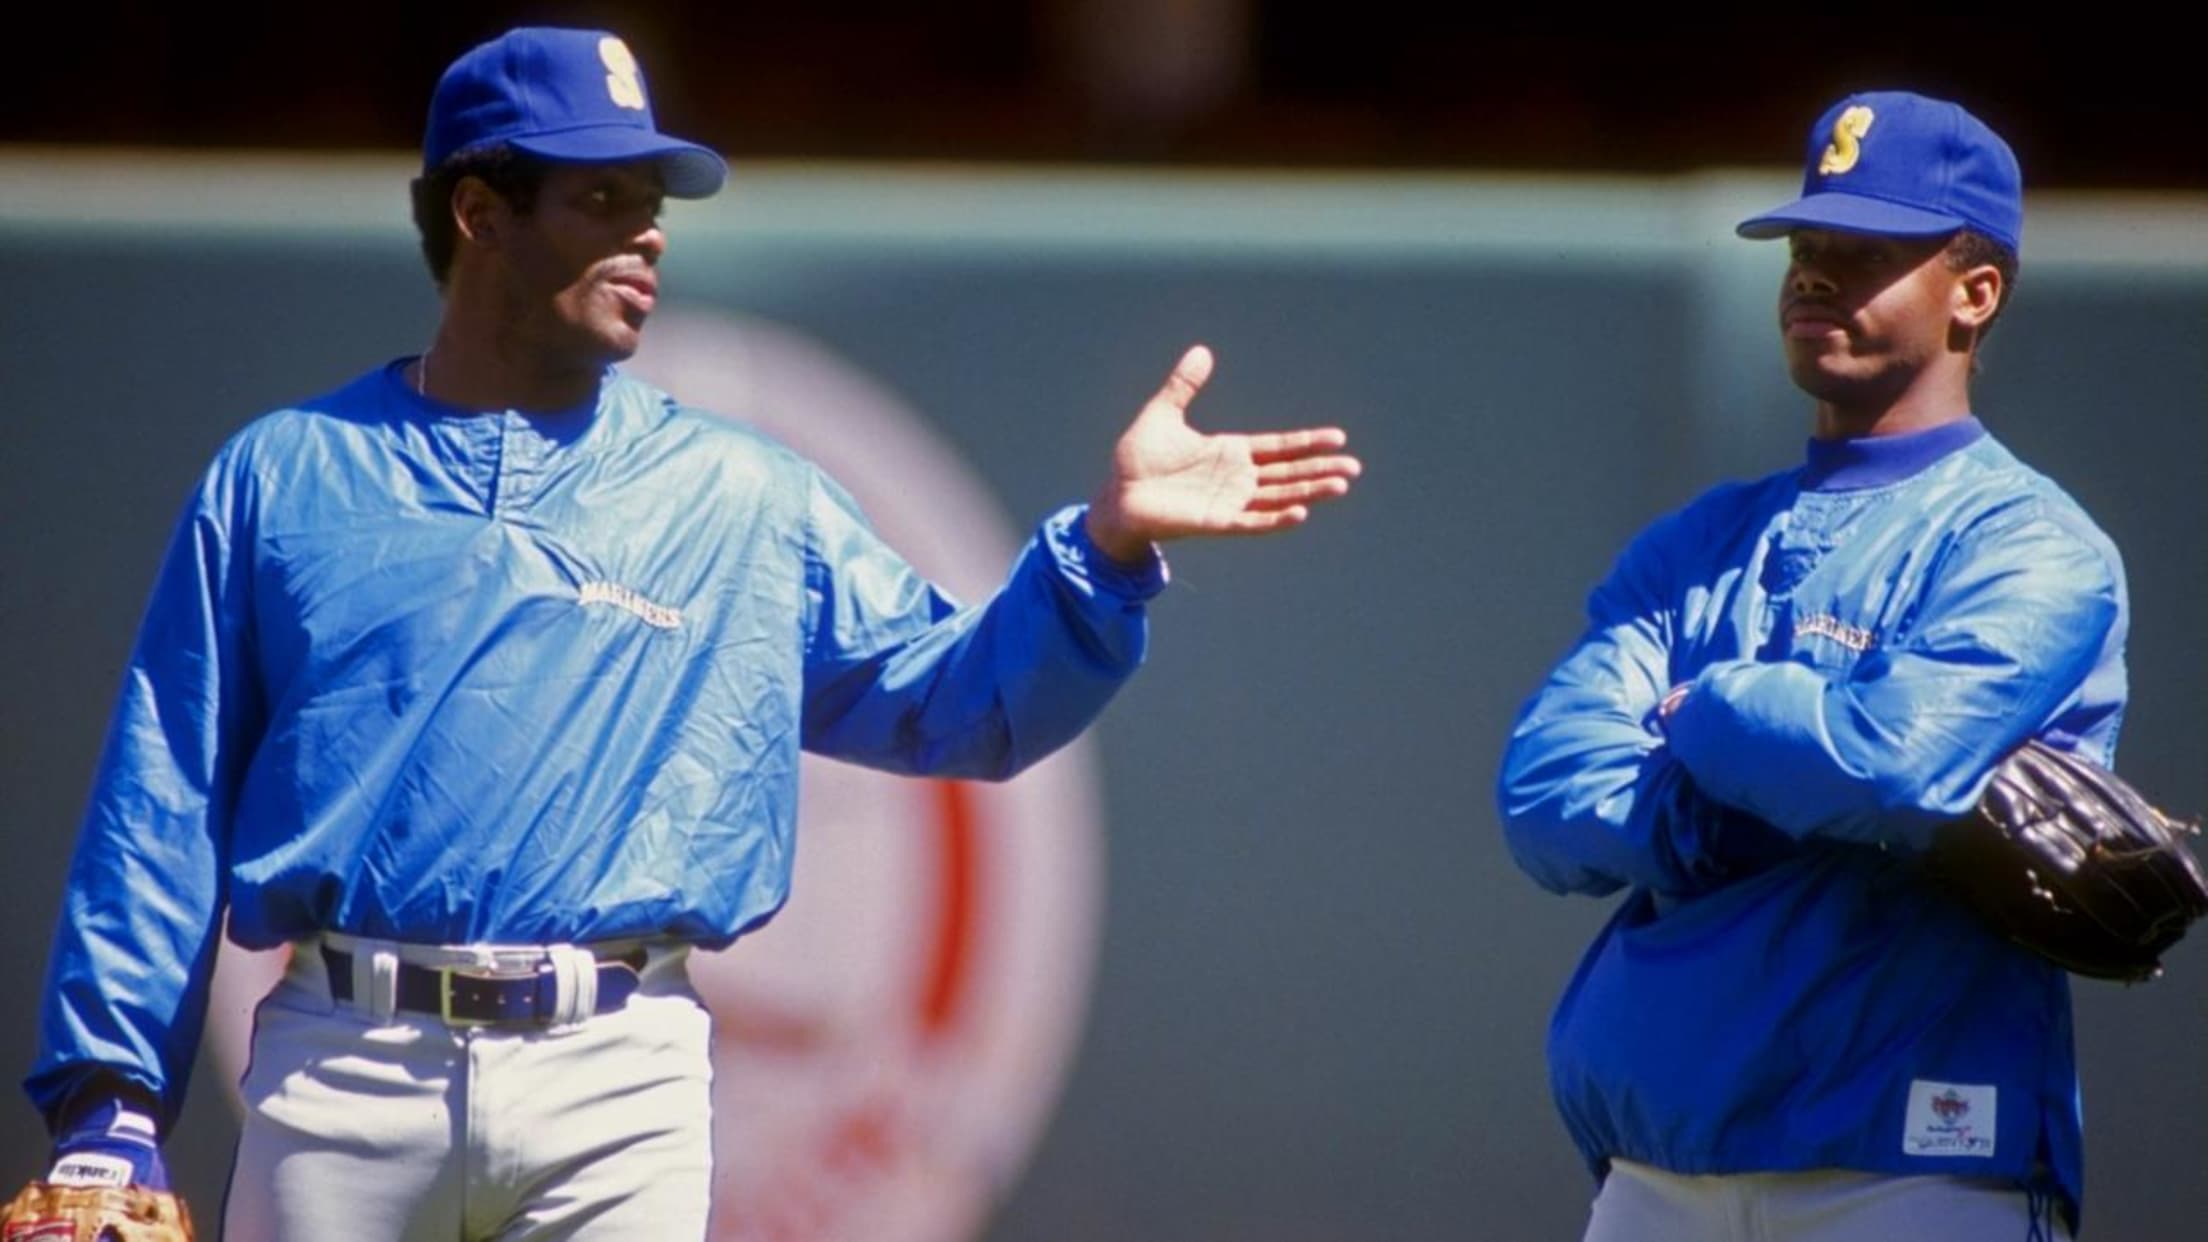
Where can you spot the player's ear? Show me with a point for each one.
(479, 213)
(1975, 296)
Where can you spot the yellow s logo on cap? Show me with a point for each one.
(1847, 140)
(623, 80)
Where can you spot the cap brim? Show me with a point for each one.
(686, 169)
(1850, 213)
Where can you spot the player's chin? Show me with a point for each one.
(620, 338)
(618, 321)
(1832, 346)
(1826, 372)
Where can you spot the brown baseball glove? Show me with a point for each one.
(44, 1212)
(2068, 860)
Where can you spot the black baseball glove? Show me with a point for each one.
(2066, 859)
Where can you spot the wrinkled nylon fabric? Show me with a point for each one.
(1862, 644)
(423, 674)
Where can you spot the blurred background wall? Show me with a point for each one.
(2088, 99)
(1502, 257)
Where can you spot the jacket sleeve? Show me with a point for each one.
(126, 986)
(2010, 627)
(1590, 796)
(899, 677)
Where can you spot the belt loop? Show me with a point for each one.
(376, 980)
(575, 984)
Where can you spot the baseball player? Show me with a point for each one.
(481, 680)
(1783, 688)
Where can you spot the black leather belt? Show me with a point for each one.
(465, 996)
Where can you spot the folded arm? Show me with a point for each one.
(1592, 799)
(1885, 750)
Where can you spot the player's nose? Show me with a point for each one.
(1807, 278)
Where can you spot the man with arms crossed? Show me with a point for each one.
(1784, 687)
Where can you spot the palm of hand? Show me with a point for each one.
(1170, 480)
(1175, 480)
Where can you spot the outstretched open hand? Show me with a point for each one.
(1170, 480)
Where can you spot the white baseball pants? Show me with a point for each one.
(1643, 1204)
(409, 1130)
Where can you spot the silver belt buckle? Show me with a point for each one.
(445, 976)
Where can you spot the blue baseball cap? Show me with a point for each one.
(573, 96)
(1901, 165)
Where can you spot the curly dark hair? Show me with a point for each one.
(514, 175)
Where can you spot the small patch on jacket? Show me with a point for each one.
(1853, 637)
(657, 615)
(87, 1168)
(1950, 1119)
